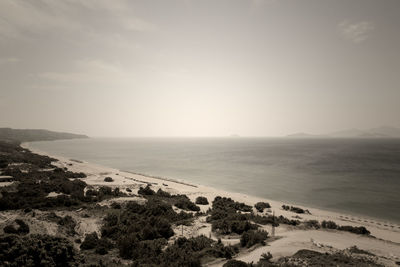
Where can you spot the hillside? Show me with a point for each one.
(303, 135)
(27, 135)
(378, 132)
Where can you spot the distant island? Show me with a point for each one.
(30, 135)
(303, 135)
(377, 132)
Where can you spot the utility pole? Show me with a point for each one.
(273, 224)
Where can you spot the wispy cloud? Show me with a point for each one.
(356, 32)
(87, 73)
(263, 2)
(19, 19)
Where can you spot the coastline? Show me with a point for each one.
(312, 181)
(387, 235)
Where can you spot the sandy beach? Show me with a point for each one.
(383, 242)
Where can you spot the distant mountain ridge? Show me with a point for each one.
(303, 135)
(377, 132)
(29, 135)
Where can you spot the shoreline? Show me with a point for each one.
(387, 235)
(348, 216)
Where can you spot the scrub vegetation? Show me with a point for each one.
(130, 233)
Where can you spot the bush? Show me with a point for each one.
(90, 241)
(141, 233)
(162, 193)
(147, 191)
(68, 223)
(202, 200)
(115, 205)
(312, 224)
(361, 230)
(32, 194)
(10, 229)
(22, 228)
(188, 252)
(314, 258)
(329, 224)
(145, 222)
(295, 209)
(356, 250)
(103, 246)
(226, 218)
(251, 238)
(228, 203)
(235, 263)
(75, 174)
(266, 257)
(105, 191)
(287, 221)
(141, 251)
(108, 179)
(183, 202)
(260, 206)
(3, 163)
(37, 250)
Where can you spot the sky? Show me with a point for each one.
(199, 67)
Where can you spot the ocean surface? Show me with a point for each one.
(354, 176)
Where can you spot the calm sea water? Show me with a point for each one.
(358, 176)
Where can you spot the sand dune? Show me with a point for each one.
(384, 243)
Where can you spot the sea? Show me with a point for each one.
(352, 176)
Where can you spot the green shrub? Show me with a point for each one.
(266, 257)
(68, 223)
(260, 206)
(145, 251)
(22, 228)
(225, 216)
(146, 222)
(103, 246)
(356, 250)
(329, 225)
(228, 203)
(264, 219)
(108, 179)
(287, 221)
(312, 224)
(235, 263)
(147, 191)
(337, 258)
(105, 191)
(141, 233)
(37, 250)
(90, 241)
(202, 200)
(360, 230)
(163, 193)
(252, 237)
(183, 202)
(115, 205)
(189, 251)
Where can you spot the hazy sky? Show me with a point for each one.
(199, 67)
